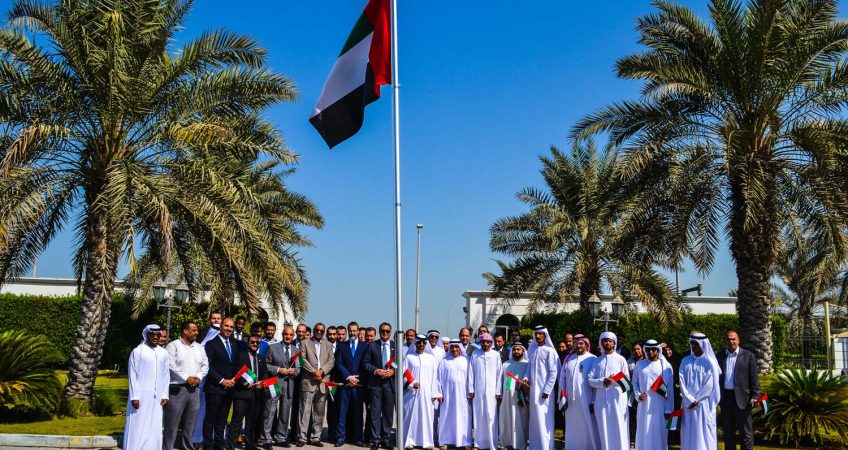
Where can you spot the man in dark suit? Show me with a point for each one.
(282, 363)
(247, 396)
(740, 387)
(501, 347)
(381, 384)
(221, 351)
(349, 355)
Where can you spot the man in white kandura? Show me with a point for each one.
(483, 379)
(419, 395)
(452, 394)
(514, 412)
(700, 391)
(653, 389)
(610, 379)
(580, 397)
(542, 373)
(149, 377)
(435, 348)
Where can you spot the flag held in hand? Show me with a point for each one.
(247, 375)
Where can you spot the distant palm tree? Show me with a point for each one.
(740, 126)
(570, 244)
(110, 128)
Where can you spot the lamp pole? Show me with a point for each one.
(596, 306)
(418, 278)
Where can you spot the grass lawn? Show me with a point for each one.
(80, 426)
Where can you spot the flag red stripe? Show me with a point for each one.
(380, 54)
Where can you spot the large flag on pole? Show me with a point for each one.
(363, 66)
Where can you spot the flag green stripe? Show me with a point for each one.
(362, 28)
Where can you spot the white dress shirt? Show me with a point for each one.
(186, 361)
(730, 368)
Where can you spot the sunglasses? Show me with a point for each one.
(385, 331)
(253, 342)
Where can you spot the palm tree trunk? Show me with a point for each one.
(753, 249)
(94, 316)
(806, 347)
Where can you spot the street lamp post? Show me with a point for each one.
(180, 295)
(596, 307)
(418, 277)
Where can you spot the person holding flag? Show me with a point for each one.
(612, 393)
(700, 389)
(221, 353)
(419, 397)
(283, 368)
(380, 363)
(483, 382)
(514, 411)
(317, 360)
(248, 394)
(452, 395)
(582, 434)
(653, 388)
(542, 371)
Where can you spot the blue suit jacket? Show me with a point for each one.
(347, 362)
(373, 361)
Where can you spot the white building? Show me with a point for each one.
(60, 287)
(482, 309)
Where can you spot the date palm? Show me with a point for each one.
(740, 126)
(108, 127)
(570, 244)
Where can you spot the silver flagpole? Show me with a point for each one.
(399, 331)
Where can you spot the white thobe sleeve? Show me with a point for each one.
(668, 374)
(707, 387)
(133, 376)
(437, 385)
(637, 381)
(499, 376)
(164, 376)
(596, 377)
(470, 385)
(553, 371)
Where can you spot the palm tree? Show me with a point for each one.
(27, 377)
(570, 244)
(109, 129)
(740, 124)
(810, 276)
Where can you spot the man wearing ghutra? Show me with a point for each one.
(435, 348)
(514, 412)
(542, 373)
(582, 433)
(700, 390)
(419, 396)
(452, 395)
(610, 379)
(653, 390)
(483, 381)
(149, 377)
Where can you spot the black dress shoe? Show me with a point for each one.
(301, 444)
(285, 444)
(316, 443)
(374, 446)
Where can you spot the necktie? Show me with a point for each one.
(229, 350)
(352, 346)
(254, 364)
(287, 354)
(385, 355)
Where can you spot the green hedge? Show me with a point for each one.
(639, 327)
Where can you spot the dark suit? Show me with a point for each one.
(349, 363)
(278, 417)
(736, 403)
(382, 392)
(247, 400)
(218, 398)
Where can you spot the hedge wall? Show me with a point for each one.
(639, 327)
(56, 318)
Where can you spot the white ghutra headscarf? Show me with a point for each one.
(705, 345)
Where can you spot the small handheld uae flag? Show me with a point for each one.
(331, 388)
(659, 386)
(562, 402)
(674, 419)
(363, 66)
(763, 401)
(391, 363)
(623, 382)
(297, 360)
(512, 382)
(247, 375)
(271, 385)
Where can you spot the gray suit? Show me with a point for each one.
(736, 403)
(313, 392)
(277, 426)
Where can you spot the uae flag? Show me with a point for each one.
(247, 375)
(512, 382)
(331, 388)
(674, 419)
(623, 382)
(296, 360)
(363, 66)
(763, 401)
(562, 402)
(660, 387)
(391, 364)
(271, 385)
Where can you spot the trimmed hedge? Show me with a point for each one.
(639, 327)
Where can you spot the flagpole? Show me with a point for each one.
(396, 132)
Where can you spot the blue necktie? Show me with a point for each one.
(229, 351)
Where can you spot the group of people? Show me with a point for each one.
(457, 393)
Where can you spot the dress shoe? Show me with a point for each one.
(285, 444)
(301, 444)
(316, 443)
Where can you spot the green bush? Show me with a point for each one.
(27, 380)
(805, 405)
(108, 402)
(639, 327)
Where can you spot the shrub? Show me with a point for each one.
(27, 379)
(805, 404)
(107, 402)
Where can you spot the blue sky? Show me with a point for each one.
(487, 86)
